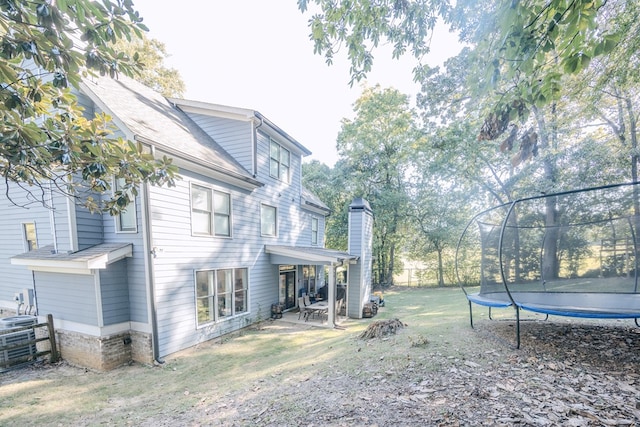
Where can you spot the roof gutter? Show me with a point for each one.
(305, 150)
(245, 181)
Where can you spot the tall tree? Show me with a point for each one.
(46, 48)
(154, 73)
(375, 149)
(330, 185)
(524, 47)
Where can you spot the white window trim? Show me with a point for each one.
(212, 213)
(217, 319)
(276, 220)
(117, 218)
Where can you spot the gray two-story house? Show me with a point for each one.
(183, 264)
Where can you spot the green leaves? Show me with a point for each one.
(362, 25)
(43, 132)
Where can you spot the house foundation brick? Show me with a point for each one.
(104, 353)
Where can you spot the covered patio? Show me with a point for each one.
(331, 260)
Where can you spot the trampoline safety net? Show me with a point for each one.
(572, 253)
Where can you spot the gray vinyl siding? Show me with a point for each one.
(180, 254)
(89, 228)
(284, 196)
(114, 293)
(306, 228)
(69, 297)
(233, 136)
(136, 276)
(13, 213)
(356, 273)
(360, 239)
(87, 104)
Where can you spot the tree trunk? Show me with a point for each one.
(548, 142)
(440, 269)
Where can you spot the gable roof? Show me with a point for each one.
(313, 202)
(150, 119)
(220, 110)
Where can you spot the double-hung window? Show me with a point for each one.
(210, 212)
(314, 231)
(280, 162)
(126, 220)
(268, 220)
(220, 294)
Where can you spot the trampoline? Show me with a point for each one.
(572, 254)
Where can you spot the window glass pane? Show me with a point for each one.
(201, 222)
(221, 203)
(241, 278)
(128, 218)
(205, 314)
(273, 168)
(224, 281)
(29, 230)
(222, 225)
(314, 231)
(200, 210)
(284, 173)
(285, 156)
(202, 283)
(240, 294)
(274, 163)
(200, 198)
(268, 218)
(240, 299)
(204, 296)
(275, 151)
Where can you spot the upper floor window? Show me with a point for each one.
(220, 294)
(29, 236)
(268, 220)
(210, 212)
(280, 162)
(314, 231)
(126, 220)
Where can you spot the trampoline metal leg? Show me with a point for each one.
(490, 318)
(470, 315)
(636, 320)
(517, 327)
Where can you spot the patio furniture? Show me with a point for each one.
(320, 309)
(304, 311)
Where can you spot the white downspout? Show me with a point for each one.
(52, 220)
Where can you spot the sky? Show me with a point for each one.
(256, 54)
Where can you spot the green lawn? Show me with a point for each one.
(269, 356)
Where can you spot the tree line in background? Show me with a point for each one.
(543, 98)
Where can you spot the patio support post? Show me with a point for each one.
(331, 313)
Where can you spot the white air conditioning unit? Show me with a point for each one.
(13, 338)
(17, 321)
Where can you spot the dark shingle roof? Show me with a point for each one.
(153, 119)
